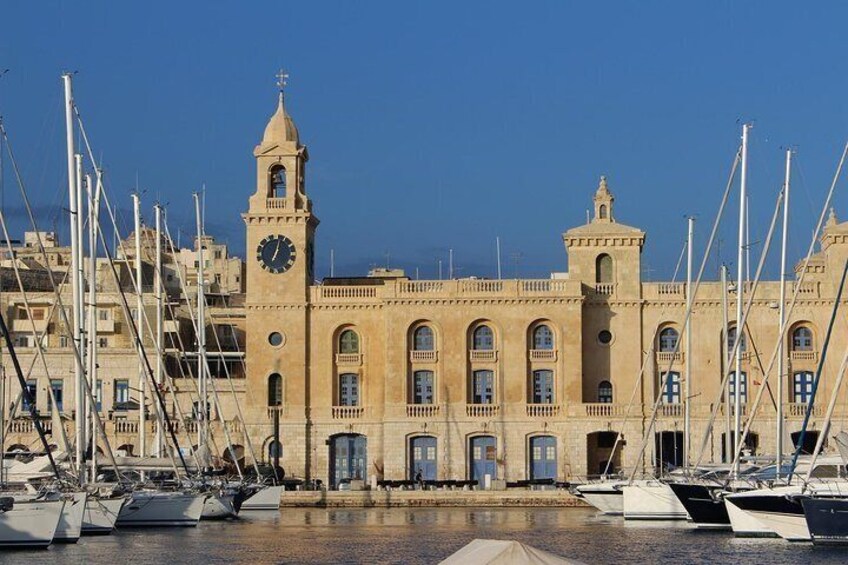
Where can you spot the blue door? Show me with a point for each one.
(484, 455)
(543, 457)
(348, 454)
(423, 458)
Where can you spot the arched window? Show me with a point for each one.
(605, 392)
(668, 340)
(275, 390)
(277, 188)
(802, 339)
(731, 340)
(602, 212)
(349, 342)
(275, 449)
(422, 339)
(543, 337)
(603, 268)
(484, 338)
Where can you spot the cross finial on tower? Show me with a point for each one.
(282, 78)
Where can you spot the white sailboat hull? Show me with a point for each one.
(70, 524)
(652, 500)
(101, 514)
(150, 509)
(266, 499)
(790, 527)
(606, 497)
(218, 507)
(745, 524)
(30, 523)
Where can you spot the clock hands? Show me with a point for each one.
(277, 250)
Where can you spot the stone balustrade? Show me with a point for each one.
(543, 354)
(349, 359)
(605, 289)
(347, 412)
(799, 410)
(669, 357)
(811, 356)
(603, 409)
(482, 410)
(422, 410)
(483, 355)
(543, 410)
(423, 356)
(276, 203)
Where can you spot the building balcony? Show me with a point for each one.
(670, 410)
(543, 354)
(482, 410)
(603, 409)
(271, 410)
(126, 426)
(26, 325)
(670, 357)
(105, 326)
(799, 410)
(543, 410)
(423, 356)
(801, 356)
(349, 359)
(422, 410)
(605, 289)
(276, 203)
(347, 412)
(483, 355)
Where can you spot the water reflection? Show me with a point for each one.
(424, 535)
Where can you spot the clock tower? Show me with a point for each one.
(280, 234)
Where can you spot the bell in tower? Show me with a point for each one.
(281, 162)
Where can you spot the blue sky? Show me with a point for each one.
(439, 125)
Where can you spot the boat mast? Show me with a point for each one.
(157, 289)
(687, 383)
(201, 329)
(93, 211)
(74, 169)
(142, 400)
(728, 446)
(782, 315)
(740, 274)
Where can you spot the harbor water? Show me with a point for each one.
(423, 535)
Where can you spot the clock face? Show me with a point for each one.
(276, 253)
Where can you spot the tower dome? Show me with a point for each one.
(280, 127)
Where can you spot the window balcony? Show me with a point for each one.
(605, 289)
(275, 409)
(26, 325)
(543, 410)
(799, 410)
(22, 426)
(743, 408)
(126, 426)
(347, 412)
(422, 410)
(423, 356)
(349, 359)
(482, 410)
(811, 356)
(603, 409)
(671, 410)
(483, 355)
(669, 357)
(543, 354)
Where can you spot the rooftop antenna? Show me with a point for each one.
(588, 219)
(440, 269)
(450, 264)
(332, 263)
(388, 257)
(516, 258)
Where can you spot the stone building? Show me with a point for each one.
(380, 377)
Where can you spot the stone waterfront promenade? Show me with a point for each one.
(422, 498)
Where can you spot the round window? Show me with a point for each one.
(276, 339)
(604, 337)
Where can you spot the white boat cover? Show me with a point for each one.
(503, 552)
